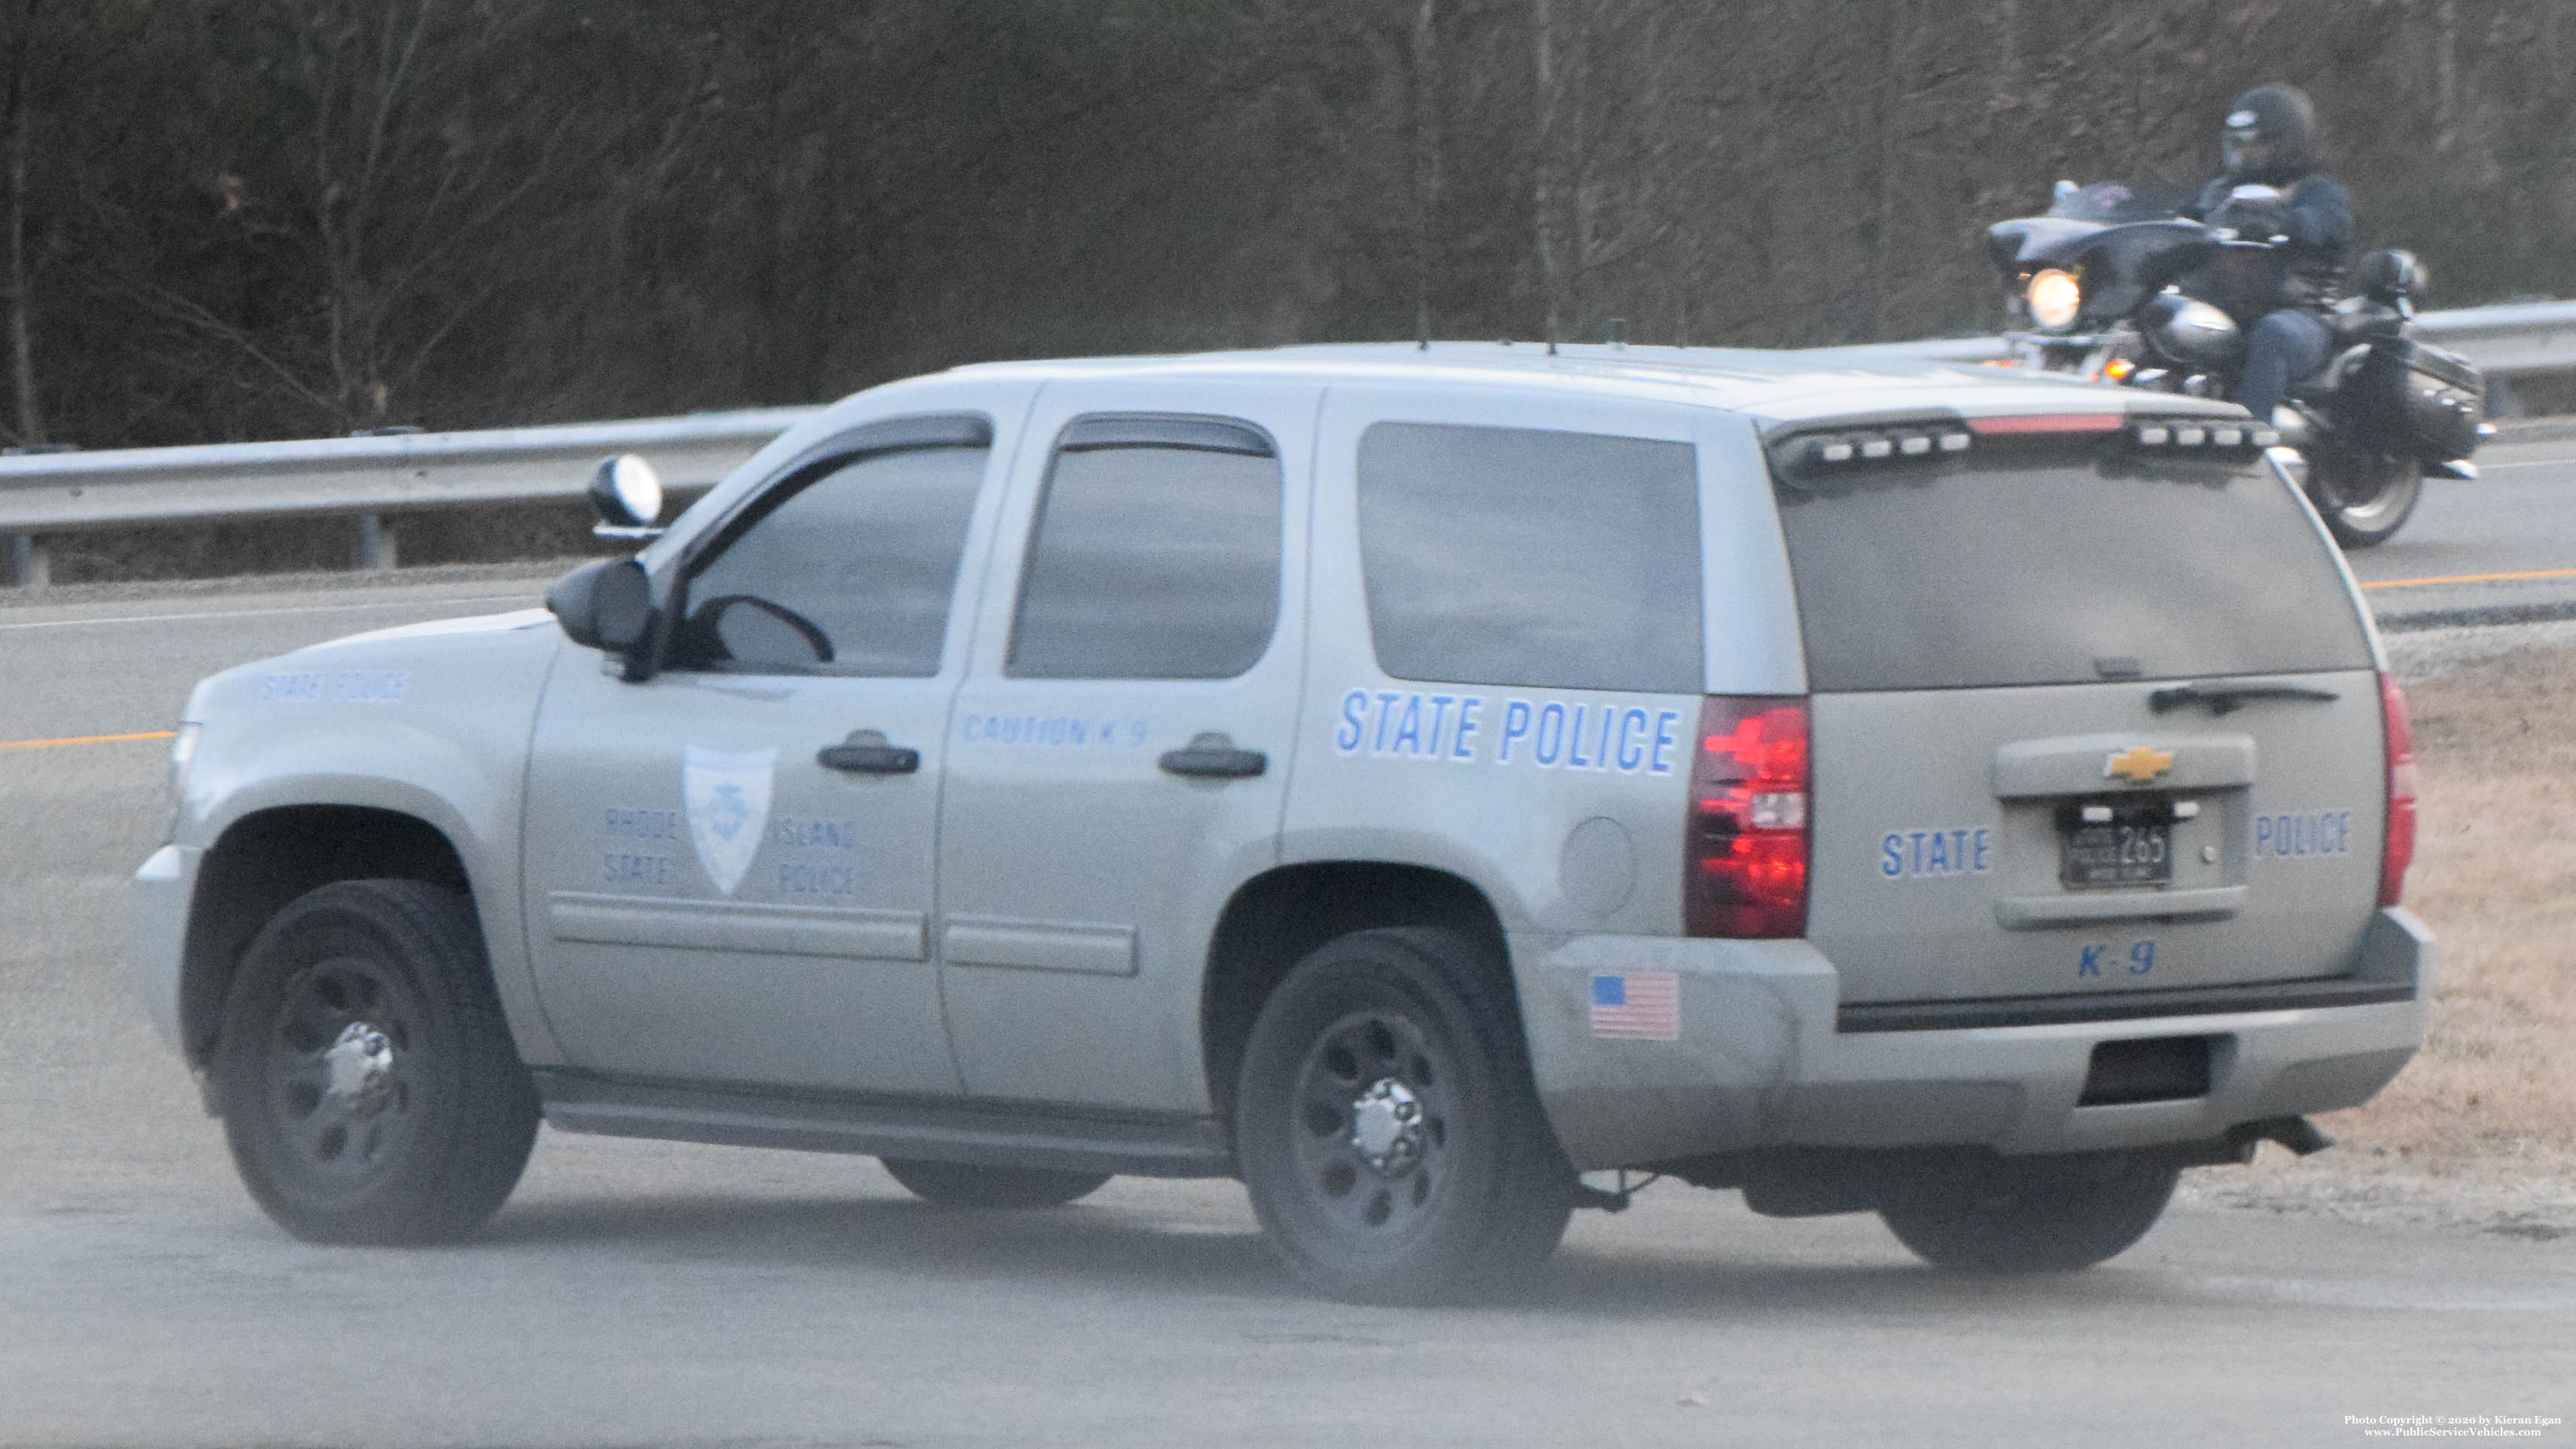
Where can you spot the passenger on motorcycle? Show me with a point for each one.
(2275, 191)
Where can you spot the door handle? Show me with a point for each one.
(866, 752)
(1212, 756)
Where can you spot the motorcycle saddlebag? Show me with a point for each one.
(2417, 401)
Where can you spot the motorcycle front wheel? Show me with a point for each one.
(2363, 497)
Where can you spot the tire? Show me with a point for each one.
(1387, 1126)
(369, 1087)
(2364, 498)
(2033, 1214)
(964, 1185)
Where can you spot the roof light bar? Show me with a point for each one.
(2179, 434)
(1915, 442)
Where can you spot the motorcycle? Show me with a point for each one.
(2115, 285)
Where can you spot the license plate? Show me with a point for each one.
(2133, 847)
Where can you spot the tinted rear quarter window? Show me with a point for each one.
(1516, 556)
(2059, 564)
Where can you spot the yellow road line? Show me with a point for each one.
(86, 740)
(2472, 579)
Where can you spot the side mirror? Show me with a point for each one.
(606, 605)
(627, 495)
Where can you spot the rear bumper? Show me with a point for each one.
(162, 890)
(1761, 1057)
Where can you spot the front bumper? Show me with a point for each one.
(163, 889)
(1758, 1059)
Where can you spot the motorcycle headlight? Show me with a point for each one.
(2055, 298)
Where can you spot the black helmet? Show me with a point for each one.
(2271, 135)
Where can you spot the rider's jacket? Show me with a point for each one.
(2306, 268)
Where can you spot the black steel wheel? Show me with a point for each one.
(966, 1185)
(369, 1087)
(2363, 497)
(1387, 1127)
(2032, 1214)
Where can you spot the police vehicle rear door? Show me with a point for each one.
(2094, 711)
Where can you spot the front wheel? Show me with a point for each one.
(369, 1087)
(2363, 497)
(2032, 1214)
(965, 1185)
(1387, 1126)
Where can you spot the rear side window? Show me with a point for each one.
(1156, 554)
(1544, 559)
(2061, 566)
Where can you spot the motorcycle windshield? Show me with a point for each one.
(2115, 202)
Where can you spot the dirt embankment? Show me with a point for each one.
(2481, 1128)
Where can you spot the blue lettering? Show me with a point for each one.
(1409, 727)
(1385, 717)
(1516, 725)
(1937, 861)
(1547, 747)
(1891, 850)
(2142, 958)
(1664, 741)
(1983, 836)
(2262, 835)
(1354, 726)
(1574, 742)
(2091, 965)
(1917, 839)
(1601, 747)
(1439, 717)
(1632, 751)
(1459, 748)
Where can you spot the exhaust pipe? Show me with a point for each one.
(2295, 1133)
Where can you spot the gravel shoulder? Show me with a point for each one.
(2479, 1132)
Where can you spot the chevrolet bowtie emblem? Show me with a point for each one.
(2138, 764)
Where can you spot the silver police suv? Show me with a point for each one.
(1406, 779)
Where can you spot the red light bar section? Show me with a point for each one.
(2047, 423)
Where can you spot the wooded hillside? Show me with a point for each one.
(231, 219)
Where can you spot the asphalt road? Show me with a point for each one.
(652, 1293)
(2506, 541)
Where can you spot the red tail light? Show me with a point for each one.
(1745, 849)
(2399, 851)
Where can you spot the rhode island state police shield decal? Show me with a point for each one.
(728, 800)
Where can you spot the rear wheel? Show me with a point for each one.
(2364, 497)
(369, 1087)
(965, 1185)
(1387, 1126)
(2033, 1214)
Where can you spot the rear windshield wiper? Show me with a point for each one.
(2226, 698)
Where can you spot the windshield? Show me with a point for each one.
(2061, 568)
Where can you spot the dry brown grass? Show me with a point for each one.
(2495, 875)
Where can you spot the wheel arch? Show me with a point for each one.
(1274, 919)
(268, 858)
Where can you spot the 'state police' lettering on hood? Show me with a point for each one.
(1544, 734)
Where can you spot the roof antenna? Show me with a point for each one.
(1618, 331)
(1422, 323)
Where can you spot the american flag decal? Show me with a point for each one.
(1646, 1005)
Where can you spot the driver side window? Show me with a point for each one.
(850, 572)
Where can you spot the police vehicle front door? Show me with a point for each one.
(1119, 750)
(730, 864)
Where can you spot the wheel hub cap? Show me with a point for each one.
(1386, 1126)
(359, 1064)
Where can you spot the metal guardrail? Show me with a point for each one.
(373, 477)
(368, 477)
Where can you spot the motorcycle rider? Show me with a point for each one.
(2270, 140)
